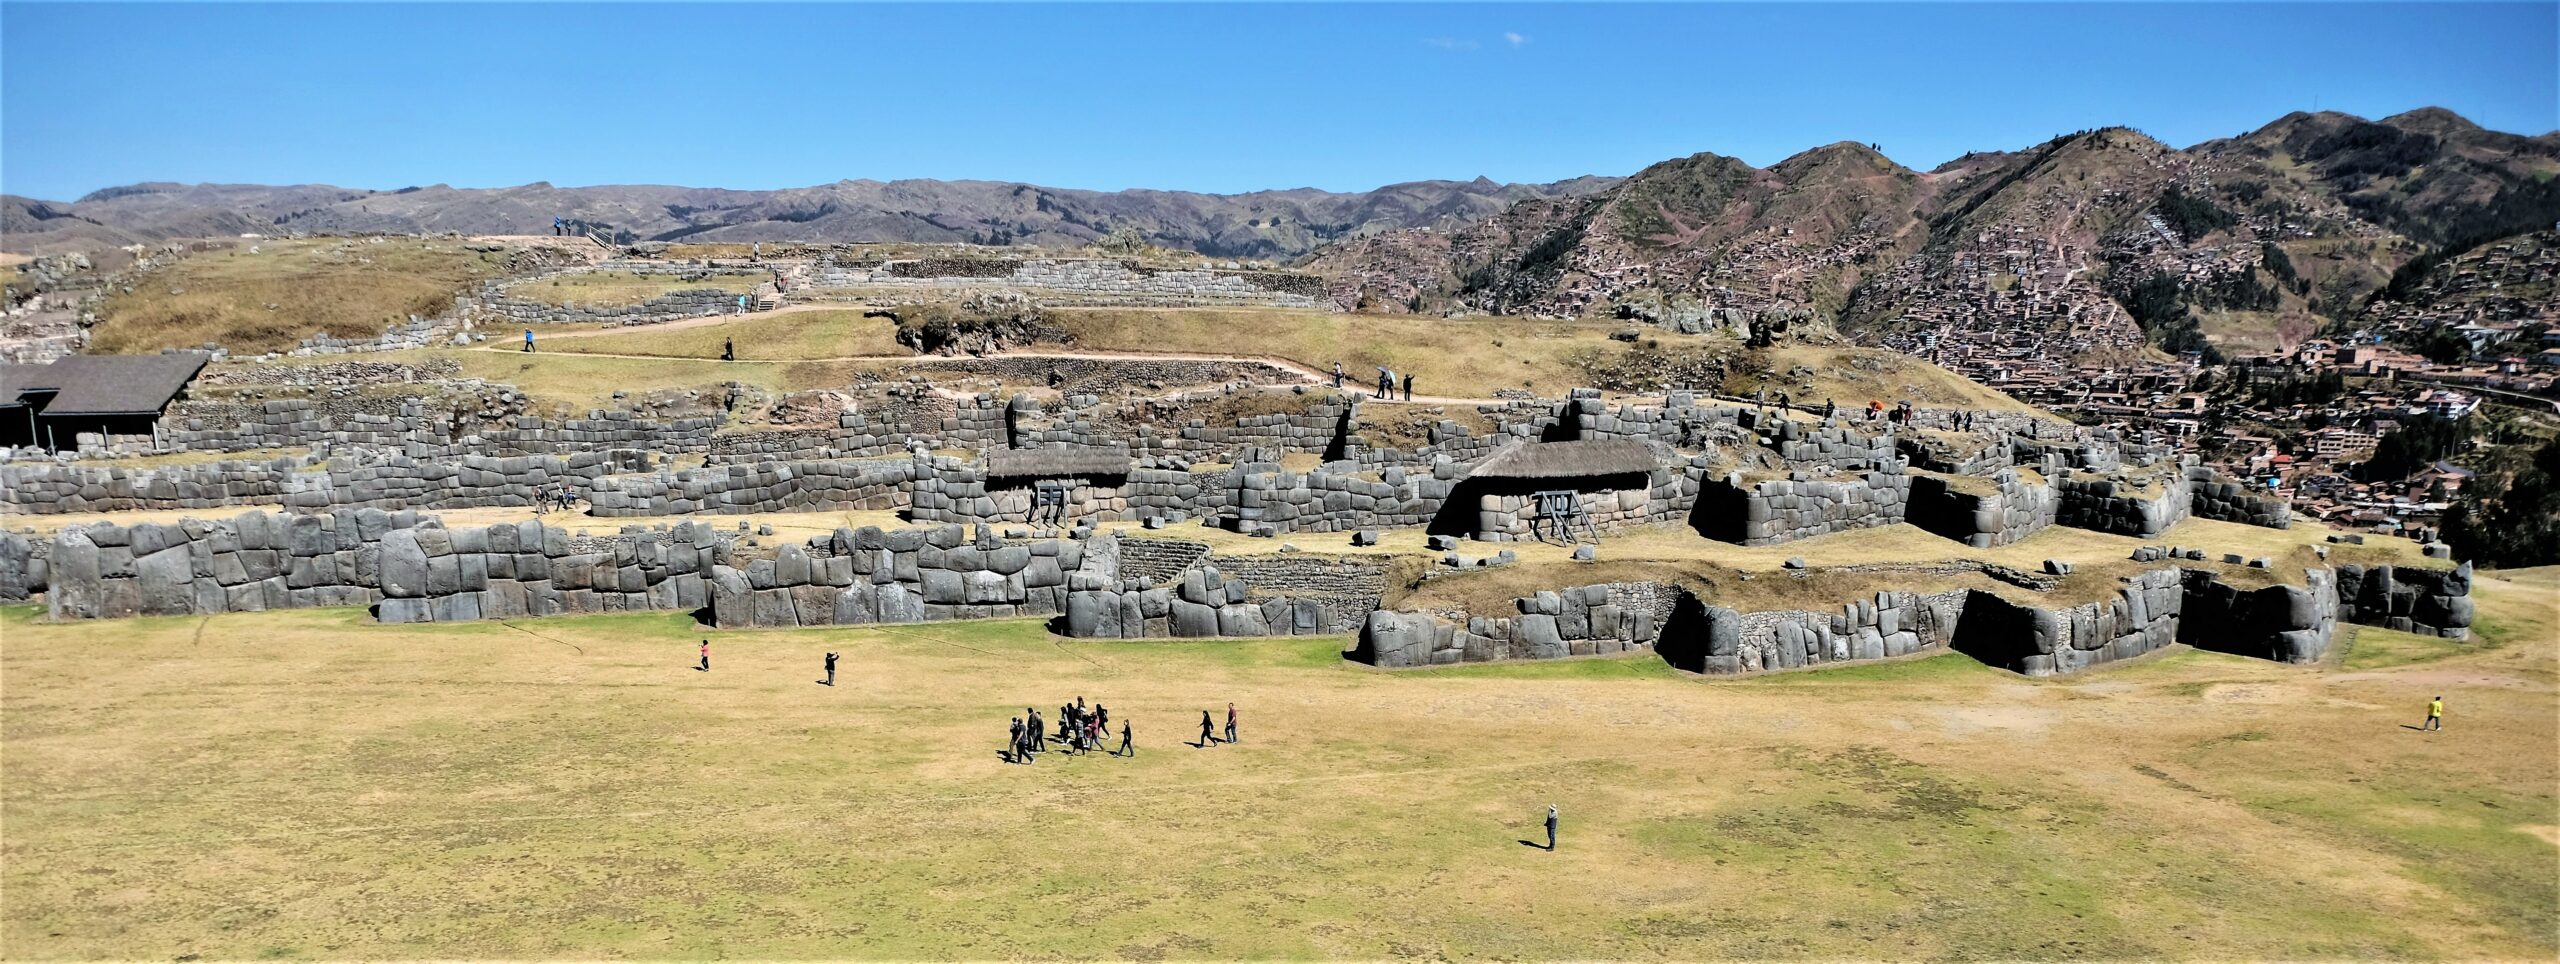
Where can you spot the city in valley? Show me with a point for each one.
(2138, 542)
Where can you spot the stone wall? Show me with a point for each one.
(2287, 624)
(765, 487)
(22, 567)
(497, 308)
(1800, 506)
(416, 570)
(1715, 640)
(871, 575)
(2122, 508)
(2013, 510)
(1667, 496)
(1203, 603)
(1575, 621)
(2230, 501)
(2142, 616)
(1264, 498)
(412, 427)
(2430, 602)
(369, 481)
(432, 574)
(1070, 282)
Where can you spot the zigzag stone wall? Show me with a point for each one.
(2287, 624)
(2014, 510)
(1783, 510)
(381, 482)
(871, 575)
(1203, 603)
(1075, 282)
(1575, 621)
(2432, 602)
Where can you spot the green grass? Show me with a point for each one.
(308, 784)
(2373, 647)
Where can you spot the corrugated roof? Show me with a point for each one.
(117, 384)
(1563, 460)
(1056, 462)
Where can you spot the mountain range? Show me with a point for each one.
(1263, 224)
(2096, 240)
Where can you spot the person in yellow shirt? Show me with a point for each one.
(2435, 713)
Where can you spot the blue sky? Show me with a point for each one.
(1213, 98)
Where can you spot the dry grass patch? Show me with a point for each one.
(767, 336)
(287, 291)
(308, 784)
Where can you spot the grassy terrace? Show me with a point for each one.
(309, 784)
(1469, 358)
(286, 291)
(613, 288)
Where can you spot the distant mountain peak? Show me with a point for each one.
(2431, 120)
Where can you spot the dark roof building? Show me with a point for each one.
(117, 384)
(51, 405)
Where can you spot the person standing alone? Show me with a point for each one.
(831, 669)
(1551, 826)
(1231, 722)
(2435, 713)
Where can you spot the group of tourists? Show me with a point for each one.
(1386, 382)
(556, 497)
(1079, 731)
(1208, 732)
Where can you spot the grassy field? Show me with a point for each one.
(784, 336)
(611, 288)
(287, 291)
(1467, 358)
(309, 784)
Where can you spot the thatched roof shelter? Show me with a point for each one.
(1057, 462)
(1569, 460)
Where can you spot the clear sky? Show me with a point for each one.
(1211, 98)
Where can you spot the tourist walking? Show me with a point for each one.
(2435, 713)
(1208, 730)
(1386, 384)
(831, 669)
(1126, 748)
(728, 350)
(1551, 826)
(528, 339)
(1337, 376)
(706, 656)
(1039, 739)
(1231, 722)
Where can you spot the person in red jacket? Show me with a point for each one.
(706, 657)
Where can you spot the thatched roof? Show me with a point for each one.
(1568, 460)
(1056, 462)
(111, 384)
